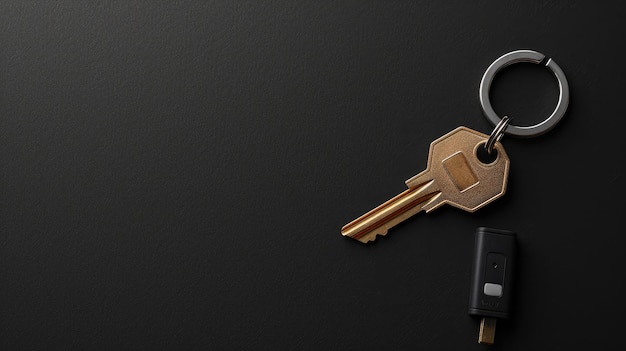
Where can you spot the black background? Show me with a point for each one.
(174, 175)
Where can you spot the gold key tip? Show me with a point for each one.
(487, 332)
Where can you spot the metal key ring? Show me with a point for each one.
(531, 57)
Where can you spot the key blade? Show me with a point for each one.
(384, 217)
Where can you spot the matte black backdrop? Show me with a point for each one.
(174, 174)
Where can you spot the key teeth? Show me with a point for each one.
(372, 236)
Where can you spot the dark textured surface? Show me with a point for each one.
(174, 174)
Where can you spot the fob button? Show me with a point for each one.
(491, 289)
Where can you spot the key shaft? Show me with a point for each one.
(390, 213)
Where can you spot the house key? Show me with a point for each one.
(455, 174)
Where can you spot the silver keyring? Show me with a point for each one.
(532, 57)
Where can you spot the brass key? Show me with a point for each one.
(454, 175)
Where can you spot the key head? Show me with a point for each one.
(464, 181)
